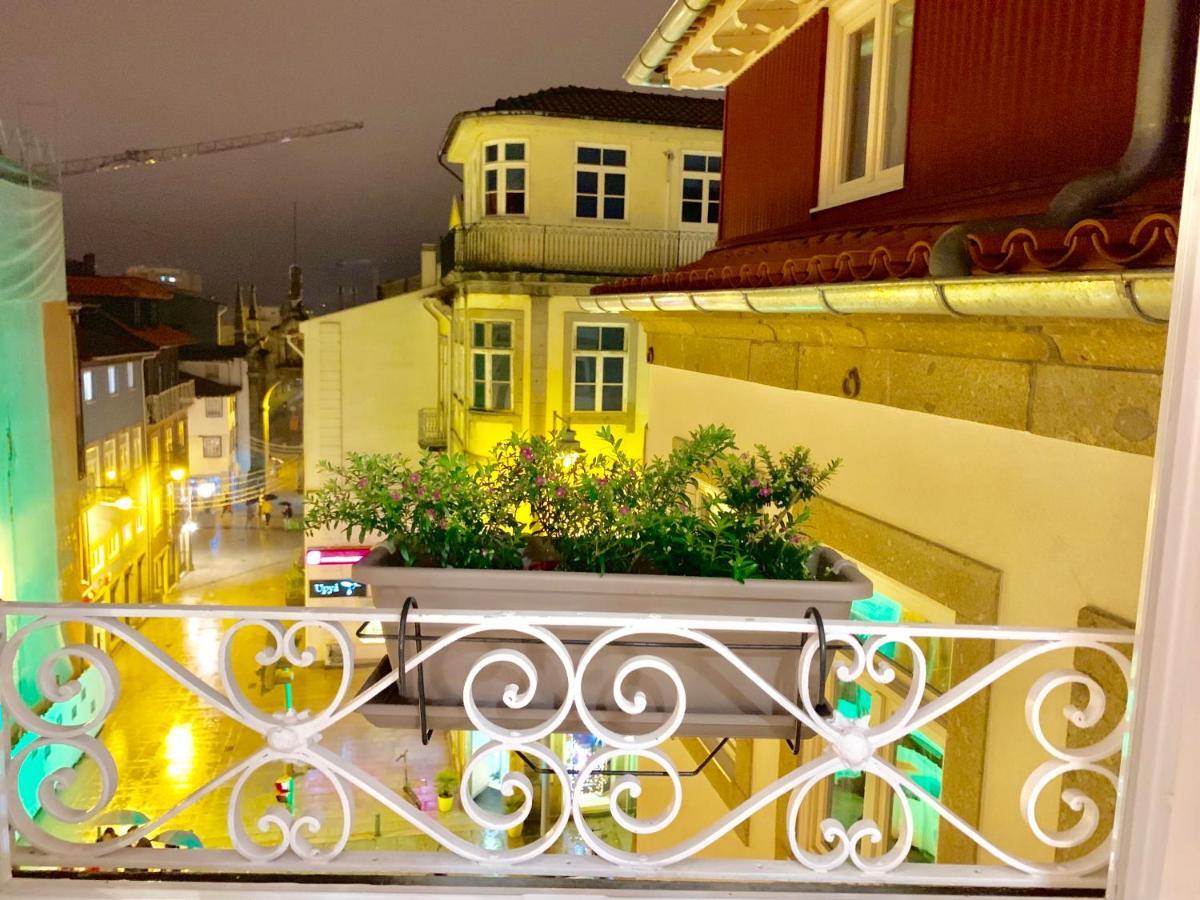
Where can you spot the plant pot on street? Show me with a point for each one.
(721, 701)
(445, 804)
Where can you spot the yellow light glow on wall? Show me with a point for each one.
(123, 503)
(180, 751)
(177, 473)
(110, 475)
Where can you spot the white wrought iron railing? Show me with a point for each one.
(515, 246)
(174, 399)
(319, 830)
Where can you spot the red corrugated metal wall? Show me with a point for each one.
(1010, 99)
(772, 136)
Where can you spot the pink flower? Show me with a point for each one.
(414, 477)
(560, 492)
(623, 510)
(431, 514)
(362, 482)
(420, 491)
(753, 482)
(526, 454)
(602, 482)
(395, 495)
(539, 481)
(765, 492)
(437, 495)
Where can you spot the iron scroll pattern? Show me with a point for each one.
(294, 737)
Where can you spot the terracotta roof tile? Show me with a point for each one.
(100, 336)
(894, 252)
(163, 336)
(115, 286)
(654, 108)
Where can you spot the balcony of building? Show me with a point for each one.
(569, 249)
(224, 742)
(173, 400)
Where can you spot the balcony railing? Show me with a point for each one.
(306, 785)
(173, 400)
(431, 428)
(576, 249)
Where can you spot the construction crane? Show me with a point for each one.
(155, 155)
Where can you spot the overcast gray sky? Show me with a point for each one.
(98, 76)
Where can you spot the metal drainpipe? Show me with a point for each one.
(1159, 138)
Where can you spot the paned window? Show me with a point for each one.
(212, 446)
(154, 457)
(599, 363)
(110, 460)
(137, 447)
(701, 189)
(600, 182)
(91, 466)
(866, 99)
(112, 380)
(214, 407)
(130, 376)
(504, 174)
(124, 456)
(491, 366)
(86, 385)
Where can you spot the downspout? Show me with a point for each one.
(1158, 140)
(667, 33)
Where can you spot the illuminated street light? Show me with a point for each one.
(177, 473)
(123, 502)
(205, 489)
(190, 527)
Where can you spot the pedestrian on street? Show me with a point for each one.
(250, 514)
(266, 509)
(226, 506)
(286, 512)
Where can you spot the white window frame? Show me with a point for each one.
(601, 355)
(112, 381)
(87, 387)
(205, 444)
(109, 460)
(214, 407)
(488, 352)
(601, 169)
(124, 454)
(130, 378)
(501, 167)
(137, 447)
(93, 474)
(707, 178)
(844, 20)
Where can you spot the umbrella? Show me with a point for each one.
(178, 837)
(269, 496)
(125, 817)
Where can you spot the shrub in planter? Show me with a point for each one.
(704, 530)
(445, 783)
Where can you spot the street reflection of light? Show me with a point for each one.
(180, 752)
(202, 646)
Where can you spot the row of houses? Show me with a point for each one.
(933, 239)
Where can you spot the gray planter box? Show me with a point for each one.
(721, 701)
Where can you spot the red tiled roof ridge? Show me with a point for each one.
(163, 335)
(116, 286)
(896, 252)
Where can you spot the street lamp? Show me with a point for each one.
(569, 447)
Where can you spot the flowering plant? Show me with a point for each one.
(703, 509)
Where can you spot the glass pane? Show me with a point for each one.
(589, 156)
(489, 180)
(895, 123)
(514, 204)
(585, 397)
(693, 189)
(611, 398)
(714, 164)
(501, 396)
(490, 152)
(714, 190)
(586, 207)
(614, 207)
(479, 334)
(514, 151)
(860, 52)
(479, 400)
(614, 370)
(693, 162)
(585, 370)
(614, 157)
(587, 183)
(587, 337)
(612, 339)
(501, 334)
(692, 210)
(514, 179)
(489, 205)
(714, 213)
(480, 365)
(614, 184)
(501, 367)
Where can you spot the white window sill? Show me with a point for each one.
(861, 189)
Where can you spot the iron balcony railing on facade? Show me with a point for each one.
(859, 802)
(173, 400)
(575, 249)
(431, 428)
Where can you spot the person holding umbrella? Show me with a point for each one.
(265, 509)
